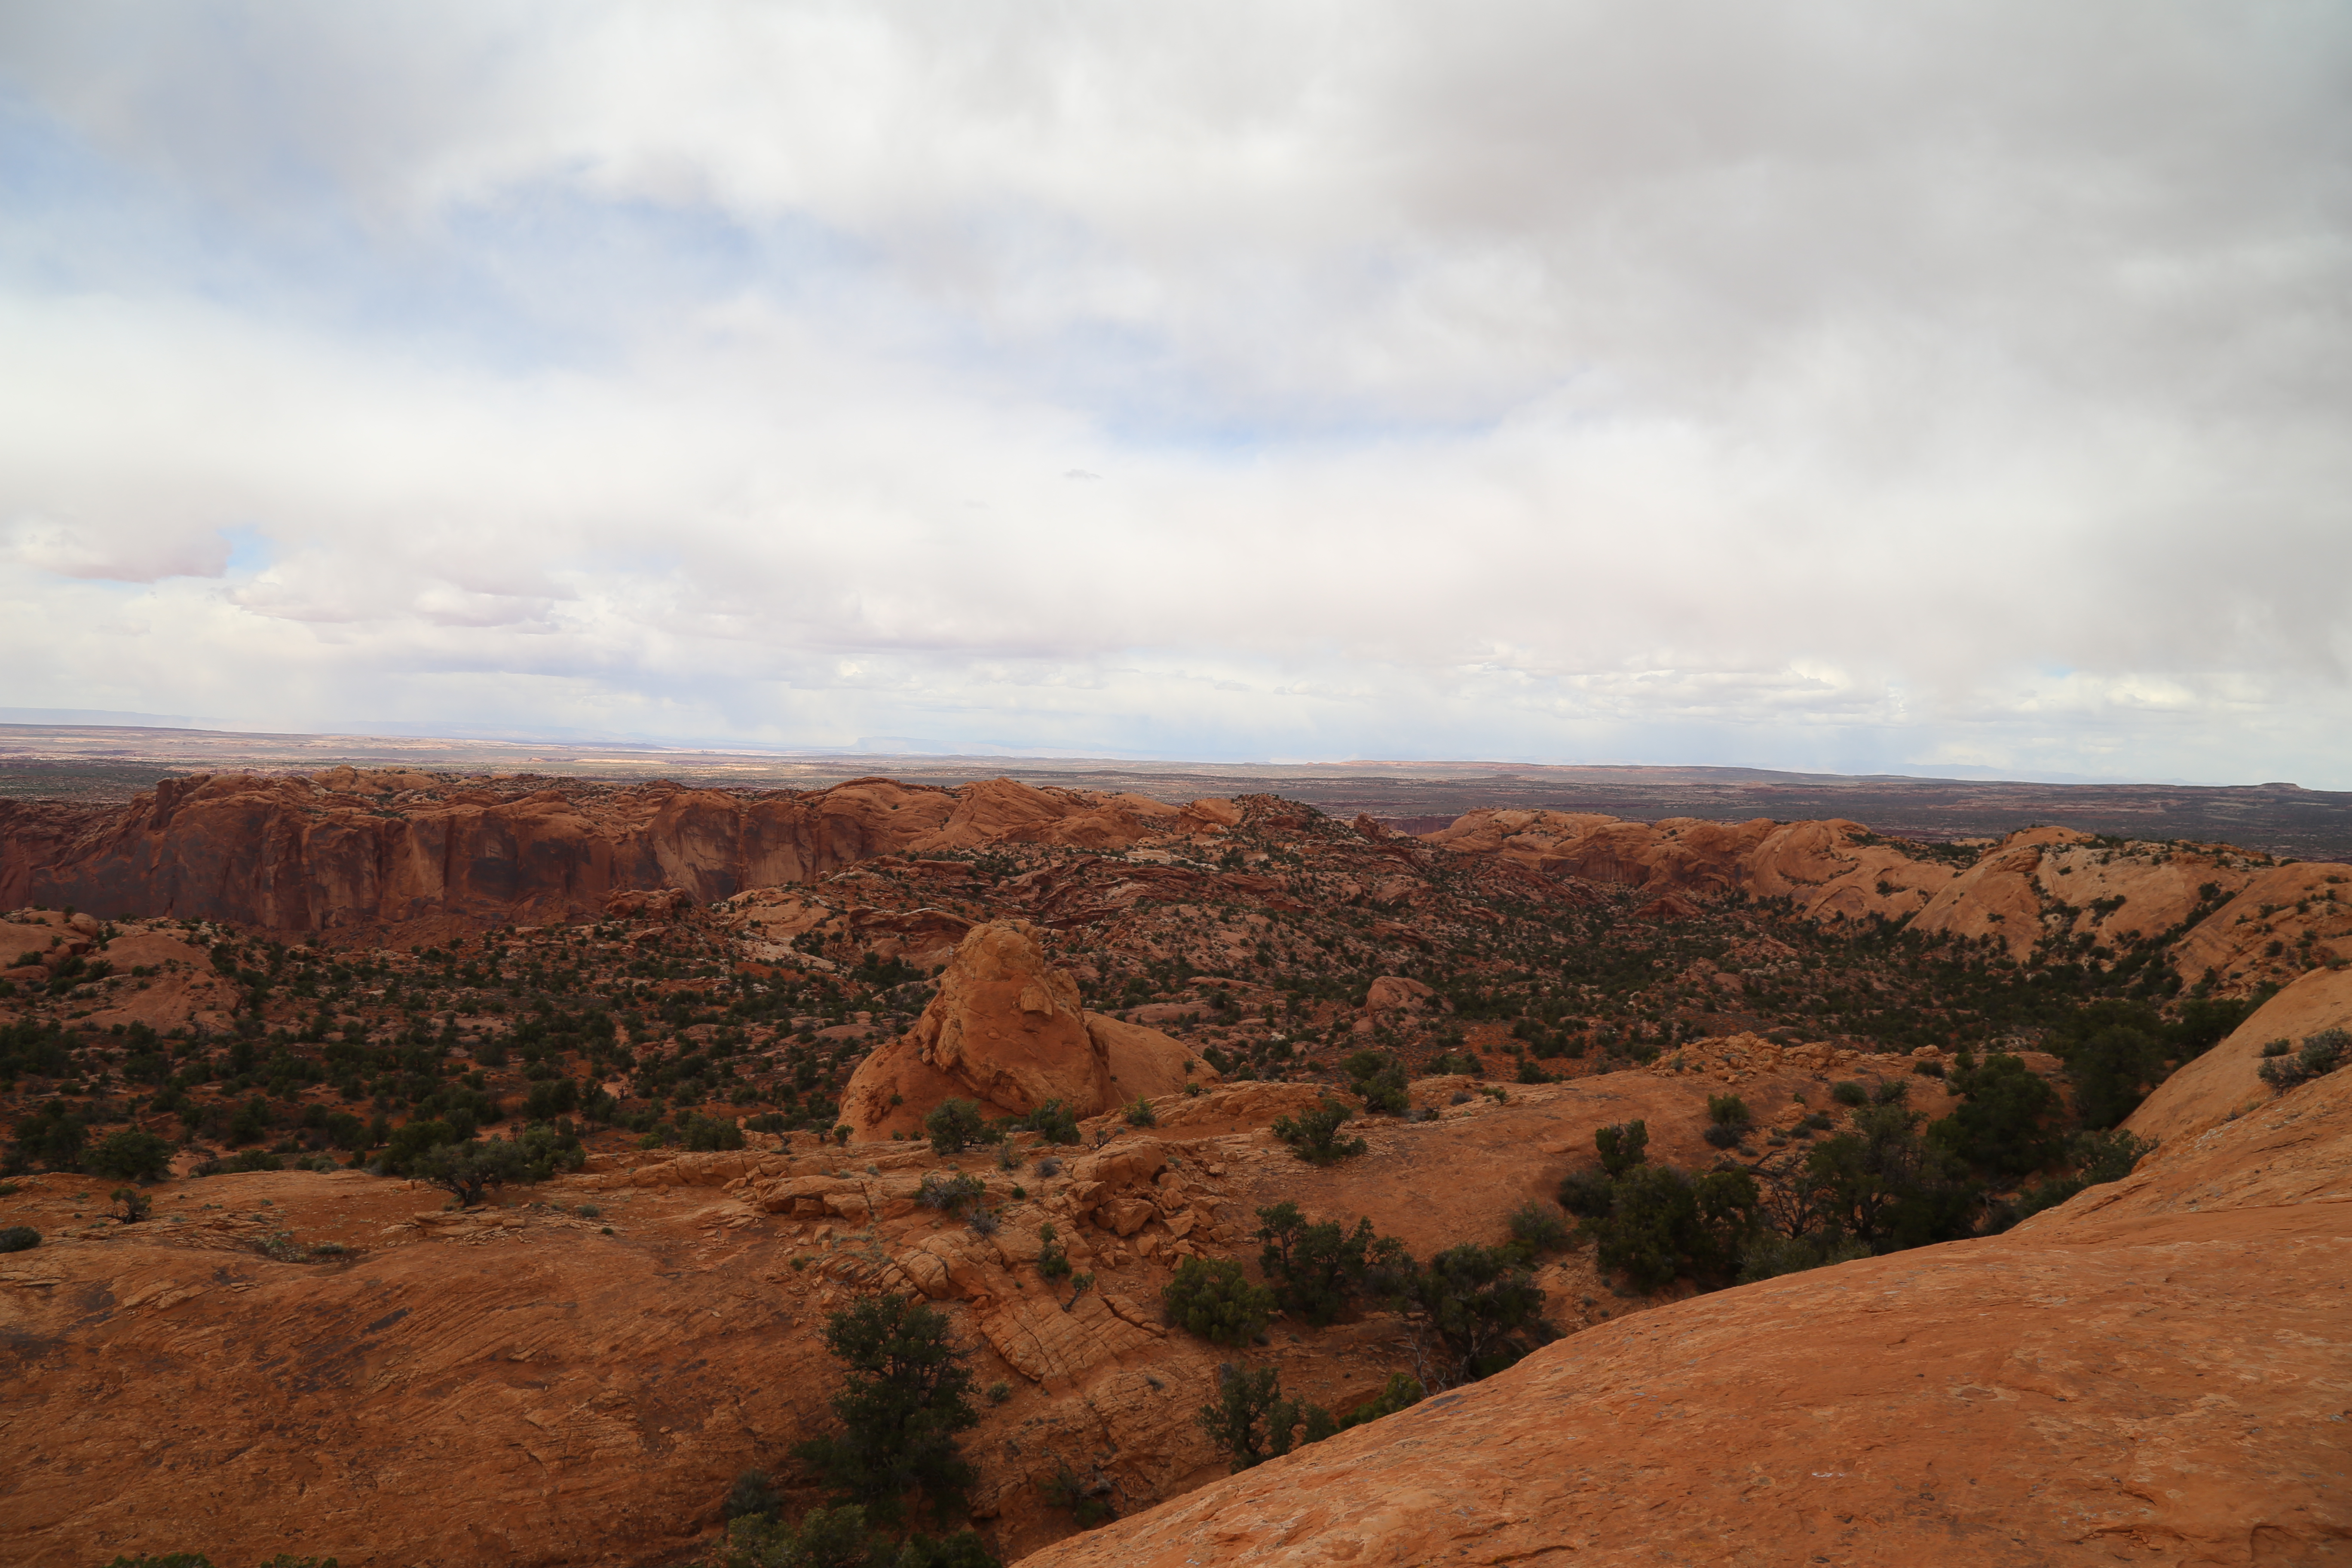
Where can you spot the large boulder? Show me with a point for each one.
(1006, 1030)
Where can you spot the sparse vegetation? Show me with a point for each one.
(1213, 1299)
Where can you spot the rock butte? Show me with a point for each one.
(2152, 1373)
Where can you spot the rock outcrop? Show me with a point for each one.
(2152, 1373)
(1007, 1029)
(2236, 919)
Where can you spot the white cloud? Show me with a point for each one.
(1776, 383)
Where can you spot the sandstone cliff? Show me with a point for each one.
(348, 849)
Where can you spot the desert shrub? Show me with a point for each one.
(950, 1194)
(245, 1161)
(825, 1538)
(19, 1239)
(2114, 1053)
(1212, 1299)
(2278, 1048)
(1889, 1092)
(1536, 1228)
(1720, 1135)
(1314, 1136)
(1379, 1078)
(1622, 1147)
(252, 1122)
(1053, 1122)
(469, 1170)
(1052, 1259)
(1728, 1111)
(1318, 1269)
(1848, 1093)
(412, 1140)
(1663, 1225)
(2205, 1022)
(134, 1205)
(2003, 1121)
(1885, 1185)
(954, 1125)
(1402, 1392)
(129, 1154)
(1252, 1422)
(983, 1221)
(2094, 1159)
(906, 1395)
(1588, 1194)
(1476, 1310)
(165, 1559)
(2321, 1053)
(752, 1493)
(1141, 1114)
(707, 1134)
(1086, 1501)
(548, 1147)
(1770, 1255)
(51, 1137)
(551, 1098)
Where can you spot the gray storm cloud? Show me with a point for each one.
(1782, 383)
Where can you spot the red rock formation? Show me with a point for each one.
(345, 848)
(1006, 1030)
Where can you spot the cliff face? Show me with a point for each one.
(347, 848)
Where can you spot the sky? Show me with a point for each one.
(1823, 386)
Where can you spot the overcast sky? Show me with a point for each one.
(1813, 385)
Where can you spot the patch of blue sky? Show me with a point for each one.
(250, 550)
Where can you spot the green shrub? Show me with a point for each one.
(1622, 1146)
(243, 1163)
(954, 1125)
(1314, 1136)
(469, 1170)
(1664, 1225)
(2321, 1053)
(1212, 1299)
(2003, 1123)
(1252, 1422)
(752, 1493)
(950, 1193)
(129, 1154)
(1379, 1078)
(1053, 1122)
(19, 1239)
(1402, 1392)
(2114, 1053)
(1480, 1305)
(906, 1395)
(1848, 1093)
(1318, 1269)
(1728, 1111)
(1052, 1259)
(2094, 1159)
(1141, 1114)
(1588, 1194)
(1536, 1228)
(1087, 1502)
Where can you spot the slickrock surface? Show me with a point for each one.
(2155, 1372)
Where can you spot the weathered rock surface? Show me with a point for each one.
(1006, 1030)
(347, 848)
(2154, 1372)
(2226, 1081)
(2235, 917)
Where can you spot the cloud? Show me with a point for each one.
(1775, 384)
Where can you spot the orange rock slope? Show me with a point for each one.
(2154, 1372)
